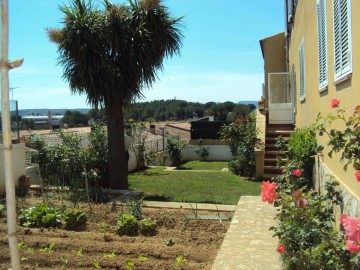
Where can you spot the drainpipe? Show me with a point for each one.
(5, 65)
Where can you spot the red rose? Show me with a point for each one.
(268, 193)
(283, 171)
(357, 175)
(280, 249)
(334, 103)
(296, 172)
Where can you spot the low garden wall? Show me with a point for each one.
(216, 152)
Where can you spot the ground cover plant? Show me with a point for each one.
(198, 186)
(166, 238)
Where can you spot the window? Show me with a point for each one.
(322, 44)
(302, 70)
(342, 38)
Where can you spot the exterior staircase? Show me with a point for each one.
(271, 152)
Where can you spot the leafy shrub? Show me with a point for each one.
(40, 216)
(301, 148)
(147, 226)
(126, 224)
(243, 132)
(74, 218)
(174, 148)
(305, 229)
(58, 162)
(97, 154)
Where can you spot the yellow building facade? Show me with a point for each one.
(323, 53)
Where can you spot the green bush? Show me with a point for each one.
(147, 226)
(40, 216)
(301, 149)
(127, 224)
(202, 150)
(74, 218)
(243, 133)
(174, 148)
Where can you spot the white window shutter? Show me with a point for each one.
(302, 70)
(342, 38)
(322, 44)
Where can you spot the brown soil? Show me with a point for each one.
(197, 241)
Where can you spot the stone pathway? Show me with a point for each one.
(248, 243)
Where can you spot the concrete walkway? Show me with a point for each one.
(248, 243)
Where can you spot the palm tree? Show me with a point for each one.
(110, 55)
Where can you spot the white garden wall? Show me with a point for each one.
(216, 152)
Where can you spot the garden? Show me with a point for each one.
(71, 222)
(53, 234)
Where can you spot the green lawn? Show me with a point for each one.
(207, 186)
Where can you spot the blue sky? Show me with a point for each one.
(220, 59)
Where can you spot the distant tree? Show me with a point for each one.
(75, 118)
(110, 55)
(96, 114)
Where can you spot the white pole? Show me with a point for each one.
(5, 117)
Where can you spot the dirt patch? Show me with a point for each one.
(92, 247)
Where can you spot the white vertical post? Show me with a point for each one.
(5, 117)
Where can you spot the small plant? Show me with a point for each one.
(48, 249)
(22, 246)
(79, 252)
(126, 224)
(104, 228)
(135, 208)
(170, 242)
(40, 216)
(74, 218)
(97, 265)
(142, 258)
(129, 264)
(110, 255)
(147, 226)
(179, 261)
(202, 150)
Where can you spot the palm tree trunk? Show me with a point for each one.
(118, 169)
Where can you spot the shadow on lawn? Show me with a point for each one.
(158, 198)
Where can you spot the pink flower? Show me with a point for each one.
(297, 194)
(268, 193)
(334, 103)
(280, 249)
(352, 246)
(302, 203)
(296, 172)
(357, 175)
(351, 227)
(283, 171)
